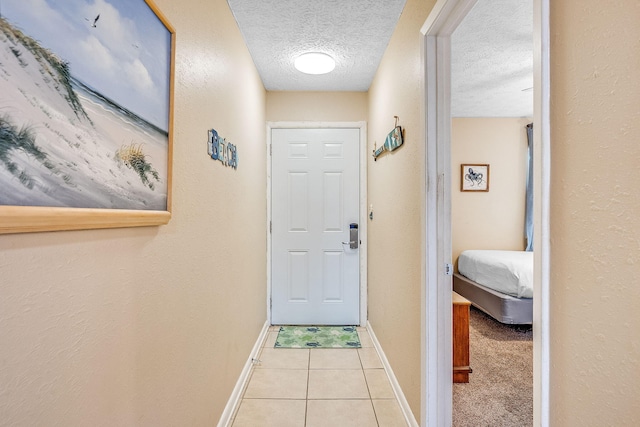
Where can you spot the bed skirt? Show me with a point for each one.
(504, 308)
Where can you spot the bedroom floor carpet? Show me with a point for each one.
(500, 389)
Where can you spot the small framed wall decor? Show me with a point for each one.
(474, 177)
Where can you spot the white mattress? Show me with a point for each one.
(509, 272)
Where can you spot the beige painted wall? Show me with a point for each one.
(151, 326)
(493, 219)
(595, 225)
(396, 181)
(317, 106)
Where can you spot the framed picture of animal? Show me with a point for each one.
(474, 177)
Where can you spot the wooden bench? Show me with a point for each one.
(461, 369)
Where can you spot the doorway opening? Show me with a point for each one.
(436, 358)
(491, 108)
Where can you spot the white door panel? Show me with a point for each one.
(315, 196)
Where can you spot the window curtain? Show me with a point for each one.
(528, 215)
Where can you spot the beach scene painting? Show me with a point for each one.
(85, 108)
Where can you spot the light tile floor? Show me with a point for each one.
(319, 387)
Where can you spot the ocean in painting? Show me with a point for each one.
(63, 144)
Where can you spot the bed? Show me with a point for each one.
(500, 283)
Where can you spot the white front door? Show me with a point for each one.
(315, 277)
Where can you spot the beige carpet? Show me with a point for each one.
(500, 389)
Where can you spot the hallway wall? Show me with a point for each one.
(595, 55)
(396, 181)
(317, 106)
(595, 226)
(151, 326)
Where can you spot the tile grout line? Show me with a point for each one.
(368, 388)
(306, 400)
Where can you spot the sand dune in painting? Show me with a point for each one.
(63, 144)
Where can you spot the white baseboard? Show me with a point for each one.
(236, 395)
(395, 385)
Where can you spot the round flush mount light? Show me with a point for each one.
(315, 63)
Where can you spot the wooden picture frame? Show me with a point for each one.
(86, 135)
(474, 177)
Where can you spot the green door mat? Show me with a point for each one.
(318, 337)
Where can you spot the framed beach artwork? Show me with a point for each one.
(85, 115)
(474, 177)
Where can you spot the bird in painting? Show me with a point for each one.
(95, 21)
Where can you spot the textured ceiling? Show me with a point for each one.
(492, 49)
(492, 61)
(354, 32)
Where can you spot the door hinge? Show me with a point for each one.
(270, 226)
(448, 269)
(271, 149)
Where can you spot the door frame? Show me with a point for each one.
(436, 387)
(362, 215)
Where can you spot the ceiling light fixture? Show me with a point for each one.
(315, 63)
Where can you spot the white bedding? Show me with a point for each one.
(509, 272)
